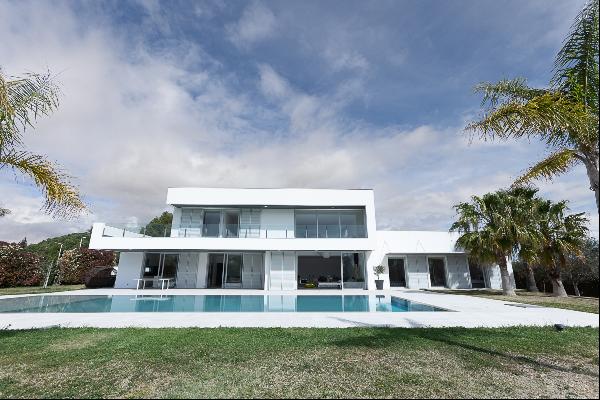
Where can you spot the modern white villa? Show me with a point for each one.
(283, 239)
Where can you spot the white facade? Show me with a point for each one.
(282, 239)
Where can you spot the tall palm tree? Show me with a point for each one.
(562, 235)
(22, 101)
(564, 115)
(492, 226)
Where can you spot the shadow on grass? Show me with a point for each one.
(381, 337)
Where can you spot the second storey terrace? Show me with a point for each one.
(261, 214)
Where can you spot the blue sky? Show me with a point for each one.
(277, 94)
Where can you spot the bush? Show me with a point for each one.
(19, 267)
(99, 277)
(75, 264)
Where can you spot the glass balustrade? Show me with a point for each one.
(249, 231)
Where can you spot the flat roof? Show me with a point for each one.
(270, 197)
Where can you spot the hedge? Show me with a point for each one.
(19, 267)
(75, 264)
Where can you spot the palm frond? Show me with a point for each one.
(550, 116)
(556, 163)
(576, 65)
(507, 90)
(22, 101)
(62, 198)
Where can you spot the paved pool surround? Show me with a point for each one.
(470, 312)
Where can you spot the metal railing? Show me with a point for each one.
(257, 231)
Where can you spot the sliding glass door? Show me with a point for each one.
(233, 271)
(353, 270)
(160, 266)
(437, 271)
(397, 272)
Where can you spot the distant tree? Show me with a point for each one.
(22, 101)
(583, 268)
(493, 226)
(562, 235)
(75, 264)
(159, 226)
(19, 267)
(564, 116)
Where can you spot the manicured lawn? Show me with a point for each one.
(272, 363)
(586, 304)
(38, 289)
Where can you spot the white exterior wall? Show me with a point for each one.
(187, 270)
(282, 270)
(130, 268)
(457, 271)
(417, 271)
(493, 279)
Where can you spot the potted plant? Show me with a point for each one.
(379, 269)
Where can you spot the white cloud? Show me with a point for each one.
(257, 23)
(134, 121)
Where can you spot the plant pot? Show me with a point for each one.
(379, 284)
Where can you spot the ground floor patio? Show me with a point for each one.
(464, 311)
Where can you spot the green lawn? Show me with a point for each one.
(586, 304)
(38, 289)
(272, 363)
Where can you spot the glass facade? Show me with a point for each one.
(330, 224)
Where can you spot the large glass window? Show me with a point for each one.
(151, 265)
(191, 222)
(306, 224)
(437, 271)
(231, 220)
(477, 274)
(352, 224)
(212, 223)
(328, 223)
(353, 265)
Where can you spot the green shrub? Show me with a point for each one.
(19, 267)
(75, 264)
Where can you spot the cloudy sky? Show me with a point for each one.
(335, 94)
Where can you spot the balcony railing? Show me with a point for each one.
(237, 231)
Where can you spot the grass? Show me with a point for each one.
(585, 304)
(38, 289)
(273, 363)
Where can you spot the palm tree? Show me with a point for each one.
(492, 226)
(22, 101)
(564, 115)
(563, 235)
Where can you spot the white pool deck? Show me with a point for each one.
(469, 312)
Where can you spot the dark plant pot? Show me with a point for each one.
(379, 284)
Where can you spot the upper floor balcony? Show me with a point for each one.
(254, 231)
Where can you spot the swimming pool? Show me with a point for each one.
(210, 303)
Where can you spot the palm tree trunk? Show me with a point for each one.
(531, 285)
(558, 289)
(591, 166)
(507, 287)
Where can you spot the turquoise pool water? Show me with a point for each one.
(210, 303)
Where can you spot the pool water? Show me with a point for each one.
(210, 303)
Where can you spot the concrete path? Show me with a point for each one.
(467, 311)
